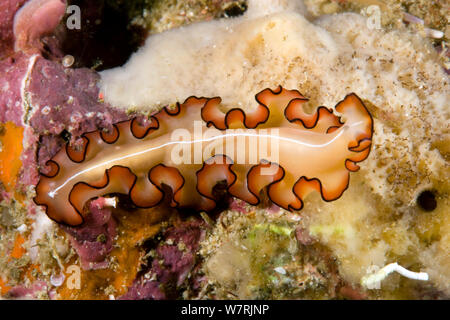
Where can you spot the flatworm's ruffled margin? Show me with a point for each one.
(146, 189)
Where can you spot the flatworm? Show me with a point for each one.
(276, 148)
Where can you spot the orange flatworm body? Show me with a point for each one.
(277, 147)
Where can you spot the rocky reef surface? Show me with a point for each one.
(50, 93)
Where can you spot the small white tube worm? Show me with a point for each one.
(371, 281)
(432, 33)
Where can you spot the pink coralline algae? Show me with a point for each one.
(53, 103)
(8, 9)
(171, 265)
(34, 20)
(94, 241)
